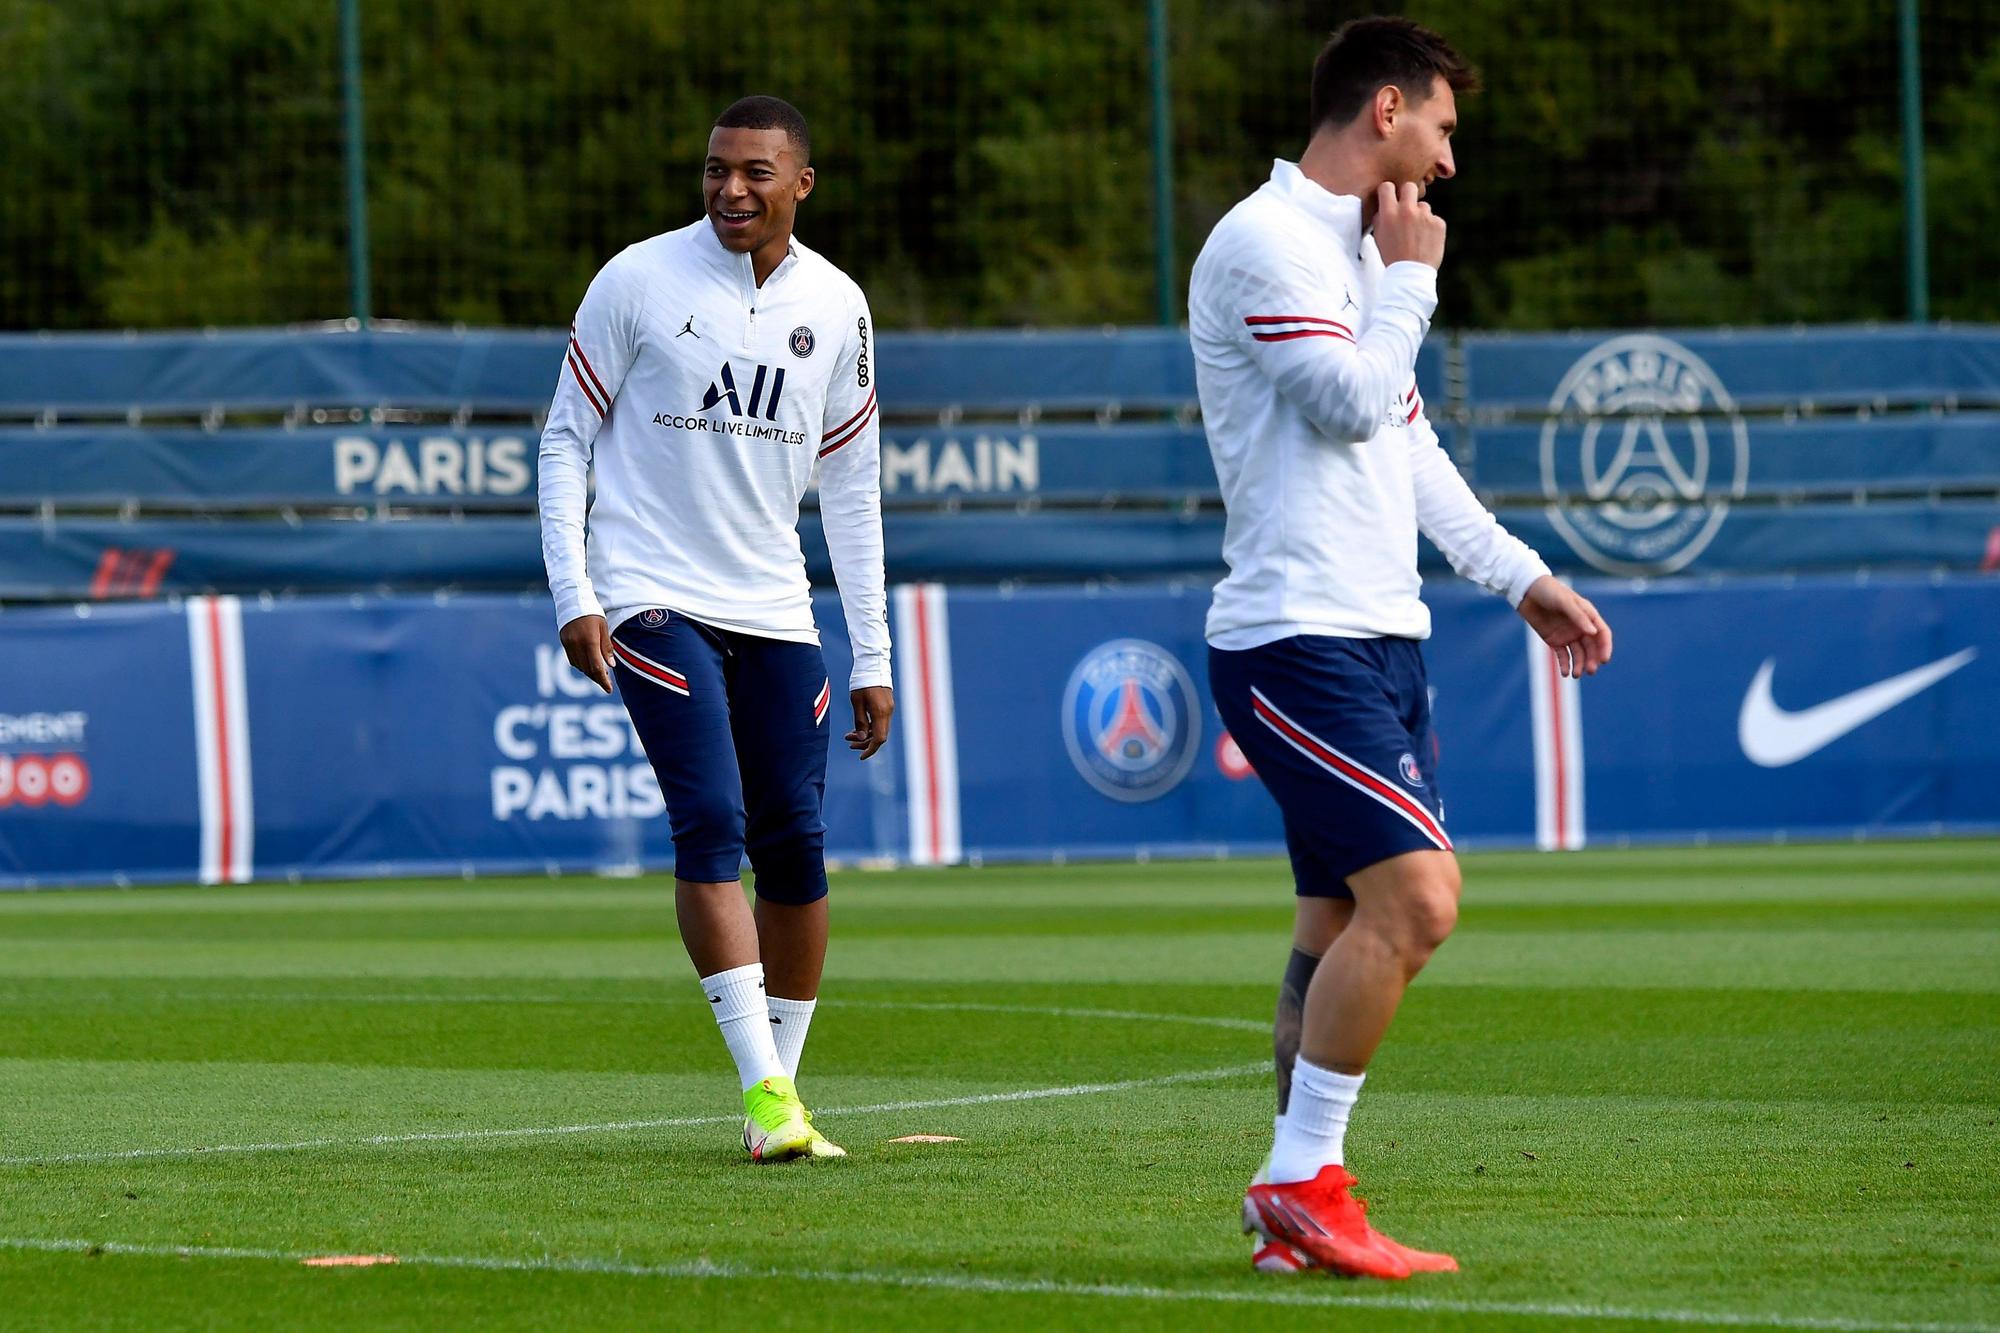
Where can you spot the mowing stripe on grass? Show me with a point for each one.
(1005, 1286)
(1115, 1015)
(621, 1126)
(682, 1001)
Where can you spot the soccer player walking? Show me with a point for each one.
(1307, 307)
(708, 371)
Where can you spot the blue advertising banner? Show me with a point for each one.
(515, 370)
(1952, 451)
(467, 743)
(267, 467)
(108, 558)
(98, 751)
(1719, 370)
(1803, 709)
(226, 740)
(436, 467)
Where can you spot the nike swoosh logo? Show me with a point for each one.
(1773, 737)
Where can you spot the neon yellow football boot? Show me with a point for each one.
(821, 1145)
(777, 1127)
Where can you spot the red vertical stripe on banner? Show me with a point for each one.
(217, 669)
(1556, 744)
(930, 717)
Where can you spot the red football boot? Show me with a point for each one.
(1274, 1256)
(1319, 1218)
(1420, 1261)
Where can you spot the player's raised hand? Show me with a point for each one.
(873, 707)
(1569, 625)
(1405, 227)
(587, 641)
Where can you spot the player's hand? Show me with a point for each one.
(1569, 625)
(873, 706)
(587, 641)
(1405, 227)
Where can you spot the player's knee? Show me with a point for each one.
(708, 840)
(791, 865)
(1430, 911)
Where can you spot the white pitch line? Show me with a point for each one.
(1005, 1286)
(620, 1126)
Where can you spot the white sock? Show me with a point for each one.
(789, 1021)
(1314, 1127)
(737, 996)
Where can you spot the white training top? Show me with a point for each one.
(1305, 351)
(707, 400)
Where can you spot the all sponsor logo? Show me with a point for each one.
(1641, 455)
(723, 389)
(1130, 720)
(759, 403)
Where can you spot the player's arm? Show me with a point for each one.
(1480, 549)
(1344, 377)
(602, 343)
(850, 507)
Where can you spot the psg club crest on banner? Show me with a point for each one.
(1642, 451)
(802, 341)
(1131, 720)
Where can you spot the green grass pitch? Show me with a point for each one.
(1741, 1087)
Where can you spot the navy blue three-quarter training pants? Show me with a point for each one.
(735, 726)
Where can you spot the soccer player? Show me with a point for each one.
(1307, 308)
(708, 371)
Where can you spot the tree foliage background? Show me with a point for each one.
(981, 162)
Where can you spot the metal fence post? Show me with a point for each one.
(357, 179)
(1163, 171)
(1916, 245)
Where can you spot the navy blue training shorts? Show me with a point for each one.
(1339, 731)
(736, 728)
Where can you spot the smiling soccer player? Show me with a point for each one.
(1307, 308)
(709, 370)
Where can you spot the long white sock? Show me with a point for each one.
(1313, 1128)
(789, 1021)
(737, 996)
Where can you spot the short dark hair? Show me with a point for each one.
(768, 113)
(1366, 55)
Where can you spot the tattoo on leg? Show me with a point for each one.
(1291, 1020)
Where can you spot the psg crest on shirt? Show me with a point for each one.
(1131, 720)
(802, 341)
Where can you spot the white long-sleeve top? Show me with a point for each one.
(1305, 351)
(706, 402)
